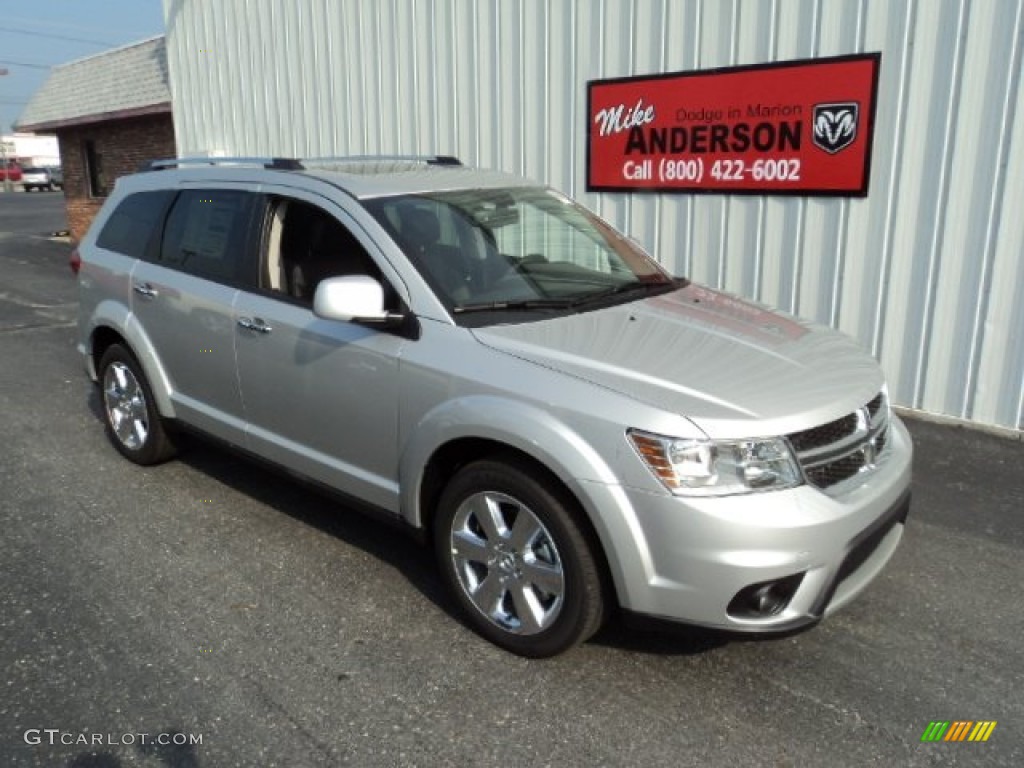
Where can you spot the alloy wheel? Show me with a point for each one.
(125, 404)
(507, 563)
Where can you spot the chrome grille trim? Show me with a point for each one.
(845, 448)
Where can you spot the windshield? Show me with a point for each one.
(516, 250)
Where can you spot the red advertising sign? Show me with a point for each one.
(795, 127)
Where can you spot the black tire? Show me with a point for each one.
(515, 567)
(132, 421)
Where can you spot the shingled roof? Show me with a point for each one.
(123, 82)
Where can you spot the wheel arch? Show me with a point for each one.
(103, 337)
(461, 431)
(108, 330)
(451, 457)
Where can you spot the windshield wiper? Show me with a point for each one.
(615, 290)
(568, 303)
(514, 304)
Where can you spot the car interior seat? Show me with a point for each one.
(444, 264)
(330, 250)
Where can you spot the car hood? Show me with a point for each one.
(736, 369)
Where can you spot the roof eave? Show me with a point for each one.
(52, 126)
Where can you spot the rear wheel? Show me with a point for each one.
(516, 560)
(133, 424)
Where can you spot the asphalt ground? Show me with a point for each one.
(210, 598)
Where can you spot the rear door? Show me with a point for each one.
(321, 396)
(183, 299)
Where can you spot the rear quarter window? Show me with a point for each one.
(133, 227)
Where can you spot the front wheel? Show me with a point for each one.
(516, 560)
(132, 421)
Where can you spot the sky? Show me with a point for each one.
(36, 35)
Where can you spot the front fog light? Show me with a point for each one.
(766, 599)
(717, 467)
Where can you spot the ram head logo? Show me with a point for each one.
(835, 126)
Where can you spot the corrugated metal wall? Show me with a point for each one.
(927, 271)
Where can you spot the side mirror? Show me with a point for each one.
(352, 298)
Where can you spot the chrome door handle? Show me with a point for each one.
(254, 324)
(145, 289)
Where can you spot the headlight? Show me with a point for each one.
(717, 467)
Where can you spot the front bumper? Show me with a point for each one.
(693, 557)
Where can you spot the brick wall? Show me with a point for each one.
(122, 145)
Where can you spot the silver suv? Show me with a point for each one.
(37, 178)
(573, 429)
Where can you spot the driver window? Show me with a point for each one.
(305, 245)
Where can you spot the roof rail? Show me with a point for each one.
(275, 163)
(428, 159)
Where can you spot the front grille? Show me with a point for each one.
(836, 471)
(842, 449)
(882, 440)
(826, 434)
(876, 405)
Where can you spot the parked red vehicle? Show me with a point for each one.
(10, 170)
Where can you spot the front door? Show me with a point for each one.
(320, 396)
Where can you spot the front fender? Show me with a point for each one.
(539, 434)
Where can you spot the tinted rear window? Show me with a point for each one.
(131, 228)
(206, 232)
